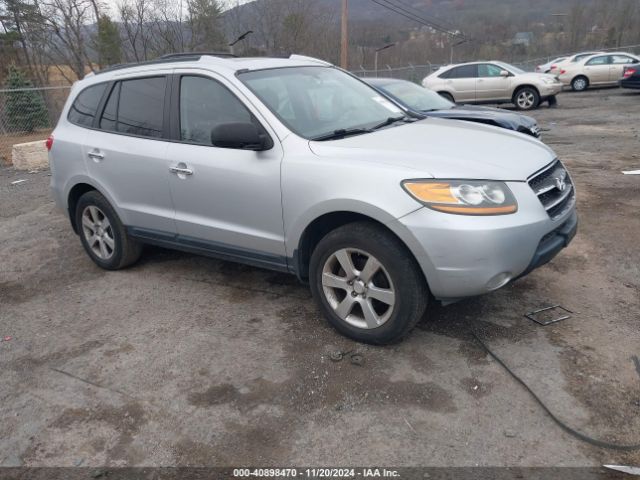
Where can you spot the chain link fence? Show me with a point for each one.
(413, 73)
(28, 115)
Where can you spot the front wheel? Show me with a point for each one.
(526, 98)
(367, 284)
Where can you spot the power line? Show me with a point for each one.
(412, 16)
(419, 14)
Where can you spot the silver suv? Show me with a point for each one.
(295, 165)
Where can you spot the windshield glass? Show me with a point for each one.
(416, 97)
(511, 68)
(316, 101)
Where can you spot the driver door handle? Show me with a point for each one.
(180, 170)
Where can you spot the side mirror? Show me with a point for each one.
(241, 136)
(504, 73)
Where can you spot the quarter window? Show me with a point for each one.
(84, 107)
(205, 104)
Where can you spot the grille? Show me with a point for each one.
(554, 189)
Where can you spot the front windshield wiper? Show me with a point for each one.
(392, 120)
(341, 133)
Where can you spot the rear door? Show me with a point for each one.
(597, 69)
(616, 68)
(490, 85)
(126, 152)
(462, 81)
(230, 199)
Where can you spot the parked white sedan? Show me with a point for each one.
(597, 70)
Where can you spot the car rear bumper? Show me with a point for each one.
(630, 84)
(463, 256)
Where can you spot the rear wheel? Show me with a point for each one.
(102, 234)
(526, 98)
(367, 284)
(579, 84)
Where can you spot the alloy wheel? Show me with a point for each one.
(526, 99)
(358, 288)
(579, 84)
(98, 232)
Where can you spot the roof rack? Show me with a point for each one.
(170, 57)
(198, 54)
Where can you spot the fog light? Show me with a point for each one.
(498, 281)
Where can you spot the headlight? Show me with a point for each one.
(463, 197)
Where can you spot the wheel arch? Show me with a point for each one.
(73, 196)
(520, 87)
(329, 221)
(446, 94)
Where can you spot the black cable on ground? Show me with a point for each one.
(564, 426)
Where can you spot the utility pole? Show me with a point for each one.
(344, 44)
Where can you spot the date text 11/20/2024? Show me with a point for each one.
(316, 472)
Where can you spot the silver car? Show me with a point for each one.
(297, 166)
(493, 82)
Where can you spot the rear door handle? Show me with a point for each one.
(96, 155)
(181, 171)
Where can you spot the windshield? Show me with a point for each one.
(511, 68)
(416, 97)
(316, 101)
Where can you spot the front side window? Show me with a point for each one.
(489, 70)
(137, 106)
(205, 104)
(599, 61)
(84, 107)
(317, 101)
(622, 59)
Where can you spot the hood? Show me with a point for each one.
(537, 76)
(498, 116)
(441, 148)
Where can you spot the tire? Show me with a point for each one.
(580, 84)
(526, 98)
(96, 219)
(448, 96)
(401, 293)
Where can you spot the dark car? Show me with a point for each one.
(631, 77)
(420, 101)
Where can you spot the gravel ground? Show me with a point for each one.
(183, 360)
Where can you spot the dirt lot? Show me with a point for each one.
(182, 360)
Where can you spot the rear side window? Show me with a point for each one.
(465, 71)
(598, 61)
(136, 107)
(85, 106)
(622, 59)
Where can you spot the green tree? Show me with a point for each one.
(25, 109)
(107, 42)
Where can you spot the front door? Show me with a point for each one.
(226, 200)
(616, 68)
(491, 85)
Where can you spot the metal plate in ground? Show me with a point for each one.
(549, 315)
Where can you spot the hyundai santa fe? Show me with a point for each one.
(295, 165)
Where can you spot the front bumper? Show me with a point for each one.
(550, 90)
(463, 256)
